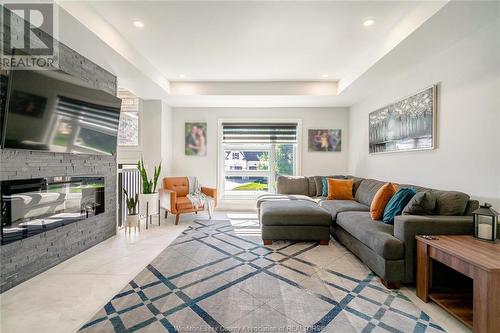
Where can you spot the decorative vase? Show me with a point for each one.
(132, 221)
(148, 204)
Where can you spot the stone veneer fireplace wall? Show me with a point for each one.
(22, 260)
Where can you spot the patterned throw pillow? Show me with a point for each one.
(397, 203)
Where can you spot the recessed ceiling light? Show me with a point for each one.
(368, 22)
(138, 24)
(324, 75)
(182, 76)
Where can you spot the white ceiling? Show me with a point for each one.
(244, 41)
(253, 40)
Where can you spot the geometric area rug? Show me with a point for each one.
(217, 276)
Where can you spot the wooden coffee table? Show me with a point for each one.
(479, 306)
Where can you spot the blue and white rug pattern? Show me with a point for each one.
(218, 277)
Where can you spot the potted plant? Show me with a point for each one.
(148, 199)
(132, 215)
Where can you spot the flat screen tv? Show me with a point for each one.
(53, 111)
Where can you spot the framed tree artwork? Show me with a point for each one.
(408, 124)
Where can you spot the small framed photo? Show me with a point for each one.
(195, 139)
(325, 140)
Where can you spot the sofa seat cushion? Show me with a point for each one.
(293, 213)
(377, 235)
(338, 206)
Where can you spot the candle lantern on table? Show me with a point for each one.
(485, 223)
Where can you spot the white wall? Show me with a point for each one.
(205, 168)
(155, 138)
(167, 137)
(467, 71)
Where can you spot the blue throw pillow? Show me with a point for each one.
(325, 186)
(397, 203)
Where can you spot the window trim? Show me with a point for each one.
(220, 148)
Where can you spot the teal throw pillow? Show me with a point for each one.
(397, 203)
(325, 186)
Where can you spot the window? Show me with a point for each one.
(128, 131)
(254, 156)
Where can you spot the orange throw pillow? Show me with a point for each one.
(381, 199)
(340, 189)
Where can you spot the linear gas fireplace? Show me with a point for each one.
(32, 206)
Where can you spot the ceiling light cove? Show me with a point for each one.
(138, 24)
(369, 22)
(324, 75)
(182, 76)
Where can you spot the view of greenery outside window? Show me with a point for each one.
(253, 168)
(284, 159)
(128, 131)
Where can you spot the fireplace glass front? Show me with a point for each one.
(32, 206)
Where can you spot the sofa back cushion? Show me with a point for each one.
(311, 187)
(448, 203)
(293, 185)
(472, 205)
(366, 191)
(451, 203)
(422, 203)
(318, 180)
(340, 189)
(356, 184)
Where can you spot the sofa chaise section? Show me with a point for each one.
(298, 220)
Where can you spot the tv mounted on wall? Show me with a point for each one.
(53, 111)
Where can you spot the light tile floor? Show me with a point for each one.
(68, 295)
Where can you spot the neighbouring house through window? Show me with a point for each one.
(255, 154)
(128, 131)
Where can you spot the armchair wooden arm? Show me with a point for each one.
(211, 192)
(168, 200)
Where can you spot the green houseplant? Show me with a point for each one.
(131, 203)
(148, 199)
(148, 185)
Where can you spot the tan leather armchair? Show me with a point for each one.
(173, 197)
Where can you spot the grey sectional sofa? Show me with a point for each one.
(389, 250)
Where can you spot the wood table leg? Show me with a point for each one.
(486, 304)
(423, 271)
